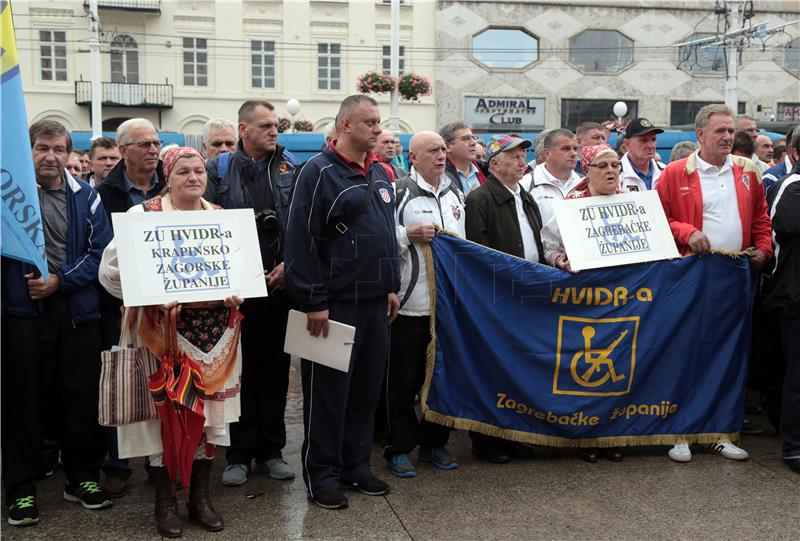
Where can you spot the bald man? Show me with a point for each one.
(425, 199)
(764, 148)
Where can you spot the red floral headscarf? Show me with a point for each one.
(175, 154)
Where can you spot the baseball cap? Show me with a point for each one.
(640, 126)
(503, 143)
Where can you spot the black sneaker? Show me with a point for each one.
(23, 512)
(371, 486)
(329, 498)
(88, 494)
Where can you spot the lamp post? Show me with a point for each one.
(620, 110)
(293, 107)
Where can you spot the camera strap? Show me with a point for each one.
(344, 224)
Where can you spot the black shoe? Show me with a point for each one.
(589, 455)
(520, 450)
(494, 456)
(329, 498)
(88, 494)
(614, 454)
(793, 463)
(371, 486)
(23, 512)
(750, 429)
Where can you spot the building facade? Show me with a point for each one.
(530, 65)
(180, 63)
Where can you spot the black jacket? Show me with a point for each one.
(237, 189)
(491, 218)
(114, 194)
(784, 285)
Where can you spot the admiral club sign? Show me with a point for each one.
(505, 114)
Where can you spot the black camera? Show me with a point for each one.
(267, 221)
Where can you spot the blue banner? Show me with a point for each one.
(22, 229)
(646, 354)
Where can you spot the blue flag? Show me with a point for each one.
(646, 354)
(22, 229)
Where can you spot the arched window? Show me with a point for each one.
(124, 59)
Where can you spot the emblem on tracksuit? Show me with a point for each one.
(746, 181)
(385, 195)
(456, 210)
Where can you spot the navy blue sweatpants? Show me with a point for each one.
(339, 407)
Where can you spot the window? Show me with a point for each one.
(704, 57)
(124, 60)
(792, 60)
(788, 112)
(195, 61)
(262, 63)
(601, 50)
(574, 112)
(683, 112)
(53, 53)
(387, 59)
(329, 66)
(505, 48)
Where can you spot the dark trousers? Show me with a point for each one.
(406, 374)
(260, 433)
(339, 407)
(50, 367)
(790, 410)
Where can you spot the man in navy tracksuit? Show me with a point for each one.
(341, 263)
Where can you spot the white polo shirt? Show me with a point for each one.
(721, 222)
(528, 238)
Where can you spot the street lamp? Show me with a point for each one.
(293, 107)
(620, 110)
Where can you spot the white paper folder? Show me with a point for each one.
(333, 351)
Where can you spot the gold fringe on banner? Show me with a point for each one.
(530, 437)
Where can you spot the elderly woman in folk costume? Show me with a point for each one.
(206, 344)
(602, 167)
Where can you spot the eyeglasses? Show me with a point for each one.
(145, 145)
(466, 138)
(606, 165)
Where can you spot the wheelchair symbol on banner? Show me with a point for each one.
(600, 364)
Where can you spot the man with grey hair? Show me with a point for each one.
(219, 135)
(461, 144)
(681, 150)
(727, 211)
(136, 177)
(556, 176)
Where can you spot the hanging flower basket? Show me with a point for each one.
(373, 82)
(411, 86)
(303, 126)
(284, 124)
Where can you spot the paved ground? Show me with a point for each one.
(554, 496)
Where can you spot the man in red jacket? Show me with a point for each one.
(715, 201)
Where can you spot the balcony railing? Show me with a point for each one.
(126, 94)
(149, 6)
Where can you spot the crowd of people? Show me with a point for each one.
(341, 239)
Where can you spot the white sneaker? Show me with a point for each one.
(729, 450)
(680, 453)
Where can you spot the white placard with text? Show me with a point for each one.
(609, 230)
(188, 256)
